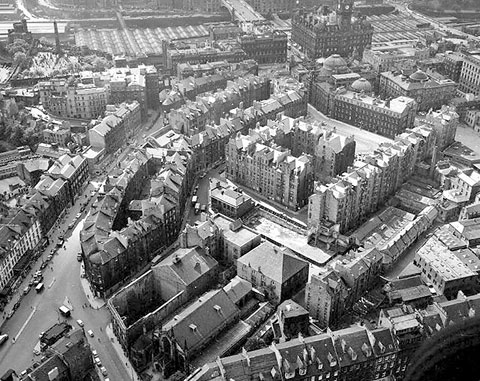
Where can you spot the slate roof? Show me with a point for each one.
(188, 264)
(202, 318)
(274, 262)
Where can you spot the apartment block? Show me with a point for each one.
(72, 169)
(444, 123)
(270, 170)
(174, 56)
(193, 116)
(330, 294)
(368, 183)
(131, 244)
(112, 131)
(20, 233)
(73, 100)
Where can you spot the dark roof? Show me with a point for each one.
(188, 264)
(274, 262)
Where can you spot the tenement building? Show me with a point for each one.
(73, 100)
(122, 234)
(427, 91)
(331, 293)
(366, 185)
(331, 153)
(322, 34)
(269, 170)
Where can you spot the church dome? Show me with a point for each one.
(419, 76)
(362, 84)
(334, 62)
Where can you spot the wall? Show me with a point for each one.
(153, 319)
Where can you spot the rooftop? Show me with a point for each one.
(272, 261)
(444, 262)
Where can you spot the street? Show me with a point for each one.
(39, 311)
(366, 141)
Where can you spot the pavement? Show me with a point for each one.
(366, 141)
(121, 354)
(39, 311)
(94, 301)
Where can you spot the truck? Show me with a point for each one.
(39, 287)
(64, 311)
(194, 200)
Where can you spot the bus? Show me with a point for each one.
(39, 287)
(64, 311)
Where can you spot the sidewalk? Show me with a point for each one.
(118, 348)
(95, 302)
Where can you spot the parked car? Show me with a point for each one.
(43, 265)
(80, 323)
(95, 354)
(90, 333)
(103, 370)
(98, 362)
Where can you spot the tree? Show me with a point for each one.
(19, 58)
(254, 343)
(100, 64)
(177, 376)
(18, 46)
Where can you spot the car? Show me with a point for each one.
(43, 265)
(98, 362)
(71, 225)
(3, 338)
(79, 257)
(49, 257)
(10, 314)
(203, 208)
(95, 354)
(26, 290)
(90, 333)
(30, 283)
(80, 323)
(103, 370)
(38, 274)
(16, 306)
(78, 215)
